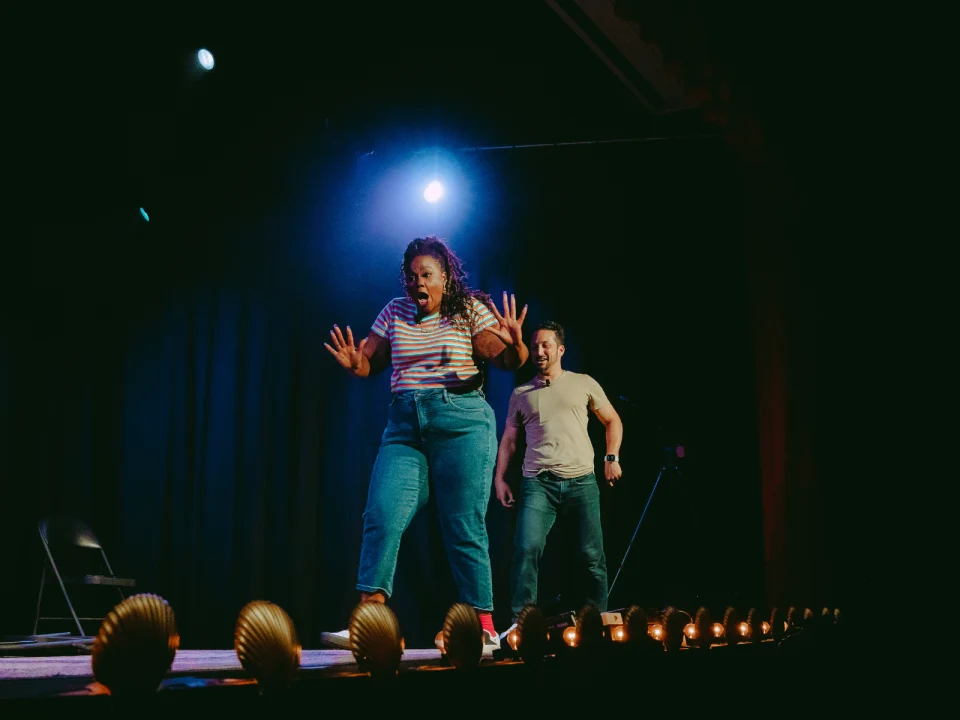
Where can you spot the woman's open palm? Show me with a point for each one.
(349, 356)
(510, 330)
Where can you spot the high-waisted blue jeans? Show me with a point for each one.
(542, 500)
(447, 441)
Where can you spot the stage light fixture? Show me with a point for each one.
(755, 626)
(205, 58)
(827, 620)
(731, 626)
(513, 639)
(794, 620)
(556, 627)
(635, 624)
(375, 639)
(589, 626)
(531, 635)
(642, 633)
(135, 646)
(462, 636)
(433, 192)
(703, 629)
(266, 644)
(778, 623)
(674, 621)
(613, 629)
(571, 637)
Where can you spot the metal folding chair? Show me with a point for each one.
(75, 557)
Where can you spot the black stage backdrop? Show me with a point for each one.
(167, 380)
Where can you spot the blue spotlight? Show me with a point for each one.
(205, 58)
(433, 192)
(144, 213)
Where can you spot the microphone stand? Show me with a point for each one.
(670, 452)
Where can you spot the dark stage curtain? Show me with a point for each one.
(211, 448)
(784, 313)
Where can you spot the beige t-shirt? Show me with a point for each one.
(554, 418)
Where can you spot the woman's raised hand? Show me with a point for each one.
(349, 357)
(510, 330)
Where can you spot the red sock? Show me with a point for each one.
(486, 622)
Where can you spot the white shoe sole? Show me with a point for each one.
(334, 641)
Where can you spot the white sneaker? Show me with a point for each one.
(491, 642)
(337, 640)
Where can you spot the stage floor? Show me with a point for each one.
(214, 681)
(72, 675)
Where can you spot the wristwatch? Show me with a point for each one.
(611, 458)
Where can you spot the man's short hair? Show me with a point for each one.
(555, 327)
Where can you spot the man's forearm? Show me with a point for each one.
(504, 456)
(614, 437)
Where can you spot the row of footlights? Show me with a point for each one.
(138, 640)
(670, 630)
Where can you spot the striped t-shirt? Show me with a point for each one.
(434, 353)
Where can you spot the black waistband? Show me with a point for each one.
(462, 389)
(548, 475)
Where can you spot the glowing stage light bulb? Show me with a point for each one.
(513, 639)
(717, 630)
(765, 627)
(205, 58)
(656, 632)
(619, 634)
(690, 630)
(570, 636)
(433, 192)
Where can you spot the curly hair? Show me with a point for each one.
(456, 304)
